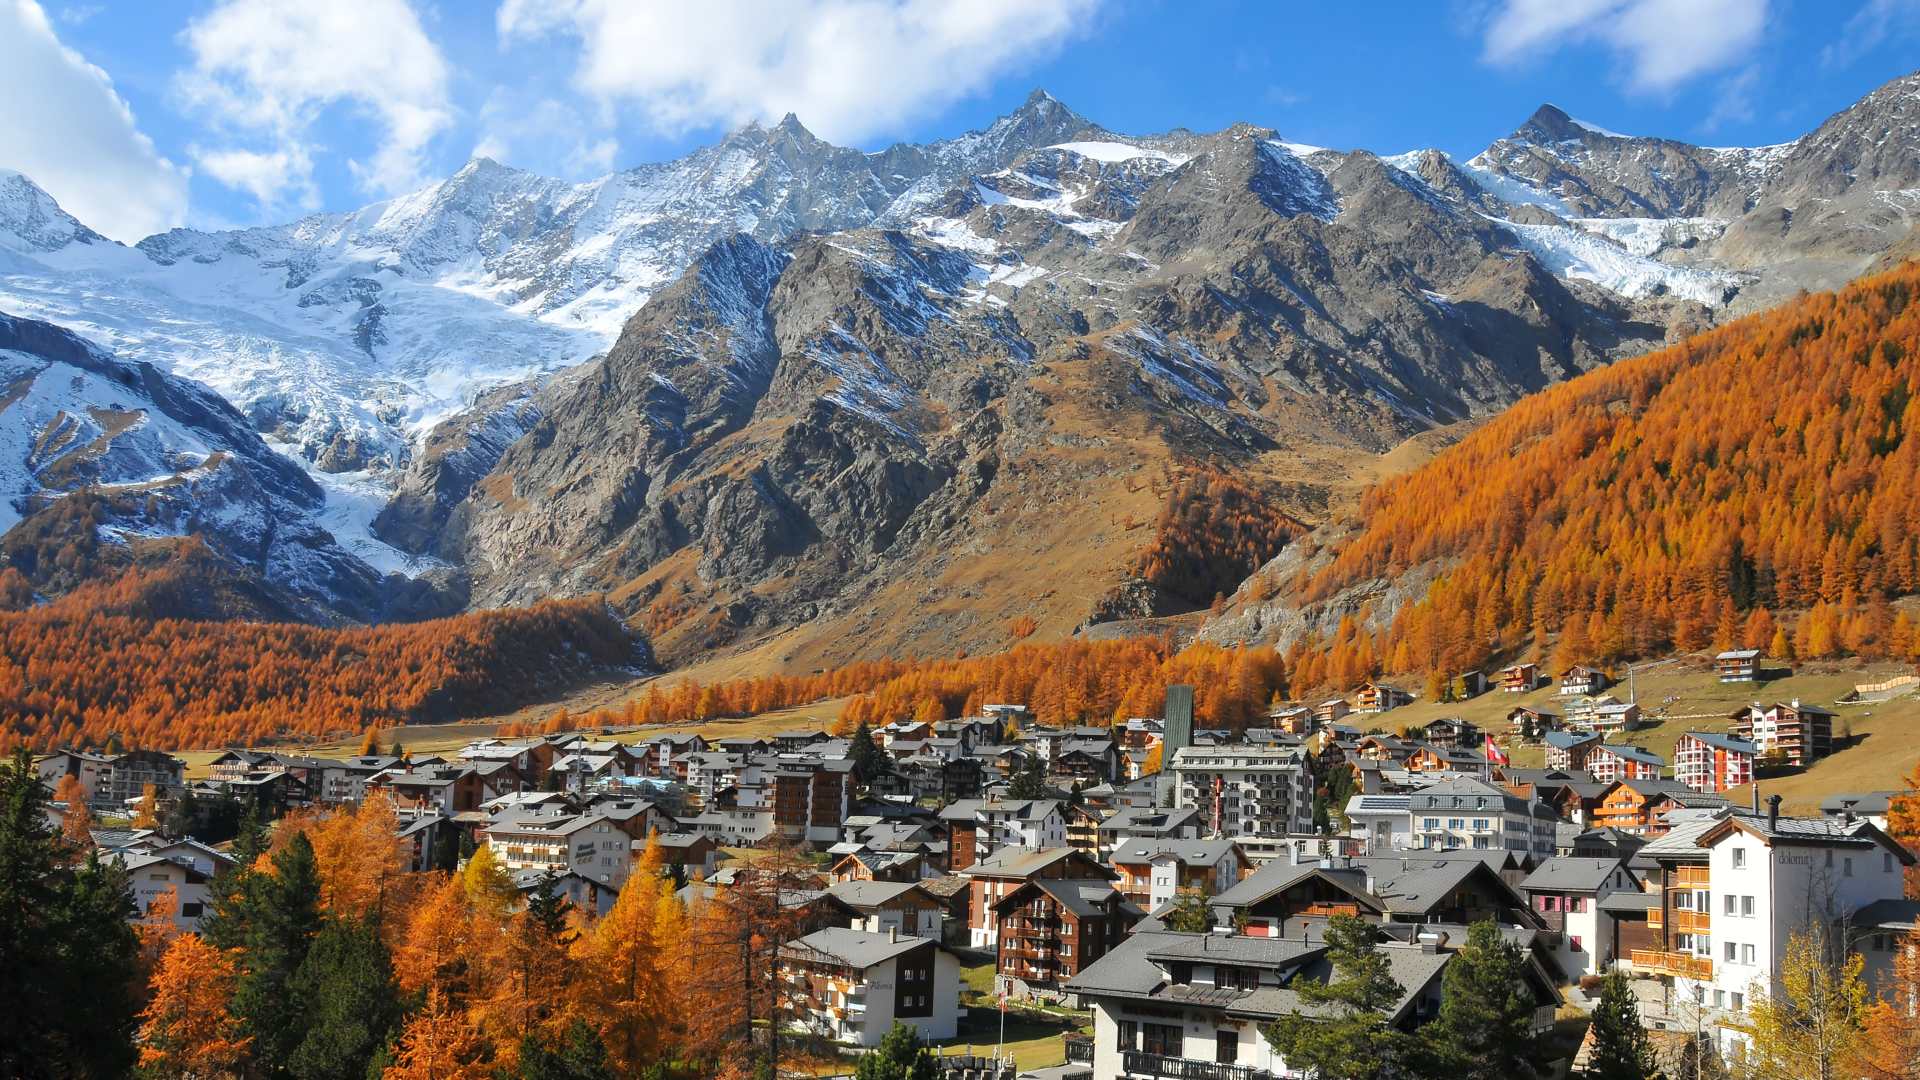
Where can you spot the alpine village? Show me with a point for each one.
(1038, 603)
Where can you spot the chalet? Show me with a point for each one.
(1377, 697)
(1154, 872)
(1452, 733)
(1467, 684)
(1706, 761)
(1195, 1005)
(1384, 748)
(997, 876)
(1577, 802)
(1567, 893)
(1639, 807)
(1582, 681)
(1148, 823)
(1519, 678)
(1330, 710)
(1090, 761)
(978, 828)
(112, 780)
(531, 758)
(852, 986)
(1051, 929)
(159, 883)
(794, 742)
(882, 907)
(1529, 723)
(582, 892)
(1569, 750)
(1738, 665)
(1617, 761)
(1872, 806)
(1427, 758)
(1293, 720)
(1609, 716)
(696, 854)
(1794, 734)
(915, 731)
(869, 865)
(1456, 888)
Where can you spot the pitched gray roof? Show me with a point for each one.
(1571, 875)
(854, 948)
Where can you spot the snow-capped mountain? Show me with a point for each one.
(350, 335)
(160, 457)
(798, 376)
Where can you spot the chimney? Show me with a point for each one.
(1756, 796)
(1294, 854)
(893, 934)
(1773, 812)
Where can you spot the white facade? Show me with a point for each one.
(1246, 791)
(1760, 894)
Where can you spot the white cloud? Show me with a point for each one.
(1877, 22)
(851, 69)
(1662, 43)
(530, 130)
(265, 70)
(66, 128)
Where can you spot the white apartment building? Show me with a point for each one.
(1246, 790)
(852, 986)
(588, 845)
(1735, 885)
(1462, 813)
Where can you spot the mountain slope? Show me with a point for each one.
(1768, 464)
(152, 456)
(349, 335)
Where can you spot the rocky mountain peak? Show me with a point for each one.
(1550, 124)
(32, 222)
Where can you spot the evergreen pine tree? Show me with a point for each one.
(576, 1054)
(868, 759)
(1030, 782)
(67, 953)
(900, 1056)
(1621, 1048)
(1348, 1034)
(1484, 1030)
(345, 992)
(271, 918)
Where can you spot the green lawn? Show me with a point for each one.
(1686, 696)
(1032, 1032)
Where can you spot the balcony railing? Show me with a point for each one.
(1137, 1063)
(1691, 877)
(1692, 922)
(1678, 964)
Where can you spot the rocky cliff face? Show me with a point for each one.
(161, 457)
(829, 403)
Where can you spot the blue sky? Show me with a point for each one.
(232, 112)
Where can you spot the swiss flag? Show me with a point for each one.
(1496, 755)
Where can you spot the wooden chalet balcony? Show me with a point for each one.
(1678, 964)
(1137, 1063)
(1691, 877)
(1656, 919)
(1692, 922)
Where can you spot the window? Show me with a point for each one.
(1739, 858)
(1746, 906)
(190, 910)
(1683, 901)
(1886, 862)
(1733, 952)
(1126, 1036)
(1746, 954)
(1846, 867)
(1719, 999)
(1226, 1046)
(1739, 1000)
(1161, 1039)
(1731, 901)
